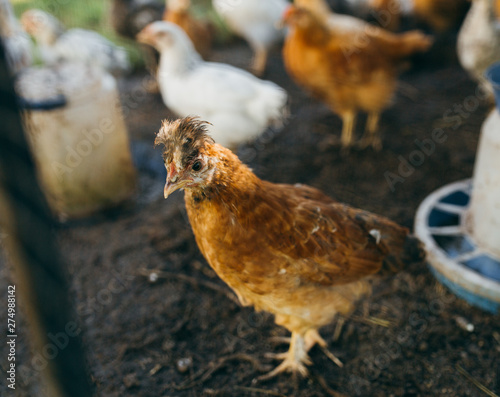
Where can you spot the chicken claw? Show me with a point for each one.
(313, 337)
(294, 359)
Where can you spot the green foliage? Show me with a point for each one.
(94, 15)
(88, 14)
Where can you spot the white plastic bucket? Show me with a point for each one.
(484, 213)
(81, 148)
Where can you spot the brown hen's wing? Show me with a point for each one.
(355, 64)
(330, 243)
(320, 241)
(306, 192)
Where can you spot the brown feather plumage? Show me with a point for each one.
(350, 70)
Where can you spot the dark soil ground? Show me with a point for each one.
(184, 335)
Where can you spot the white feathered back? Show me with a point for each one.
(239, 105)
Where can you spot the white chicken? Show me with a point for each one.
(478, 43)
(58, 44)
(257, 22)
(239, 105)
(17, 43)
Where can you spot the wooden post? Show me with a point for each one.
(40, 277)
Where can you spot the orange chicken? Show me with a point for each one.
(286, 249)
(200, 32)
(350, 72)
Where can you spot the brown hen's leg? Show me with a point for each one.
(259, 62)
(371, 136)
(348, 122)
(312, 337)
(295, 360)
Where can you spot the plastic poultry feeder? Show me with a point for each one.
(493, 76)
(459, 223)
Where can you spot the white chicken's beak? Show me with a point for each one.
(145, 36)
(175, 181)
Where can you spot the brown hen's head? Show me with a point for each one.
(187, 154)
(299, 17)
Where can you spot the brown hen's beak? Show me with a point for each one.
(27, 24)
(175, 181)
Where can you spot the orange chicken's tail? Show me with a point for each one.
(406, 44)
(414, 41)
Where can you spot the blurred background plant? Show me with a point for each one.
(95, 15)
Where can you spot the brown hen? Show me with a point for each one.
(287, 249)
(350, 70)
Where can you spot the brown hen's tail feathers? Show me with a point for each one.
(400, 247)
(411, 251)
(413, 42)
(400, 46)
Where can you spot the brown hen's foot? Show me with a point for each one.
(311, 338)
(295, 360)
(371, 138)
(280, 340)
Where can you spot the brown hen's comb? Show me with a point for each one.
(188, 134)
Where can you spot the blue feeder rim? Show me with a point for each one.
(492, 74)
(453, 257)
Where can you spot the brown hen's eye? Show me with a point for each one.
(196, 166)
